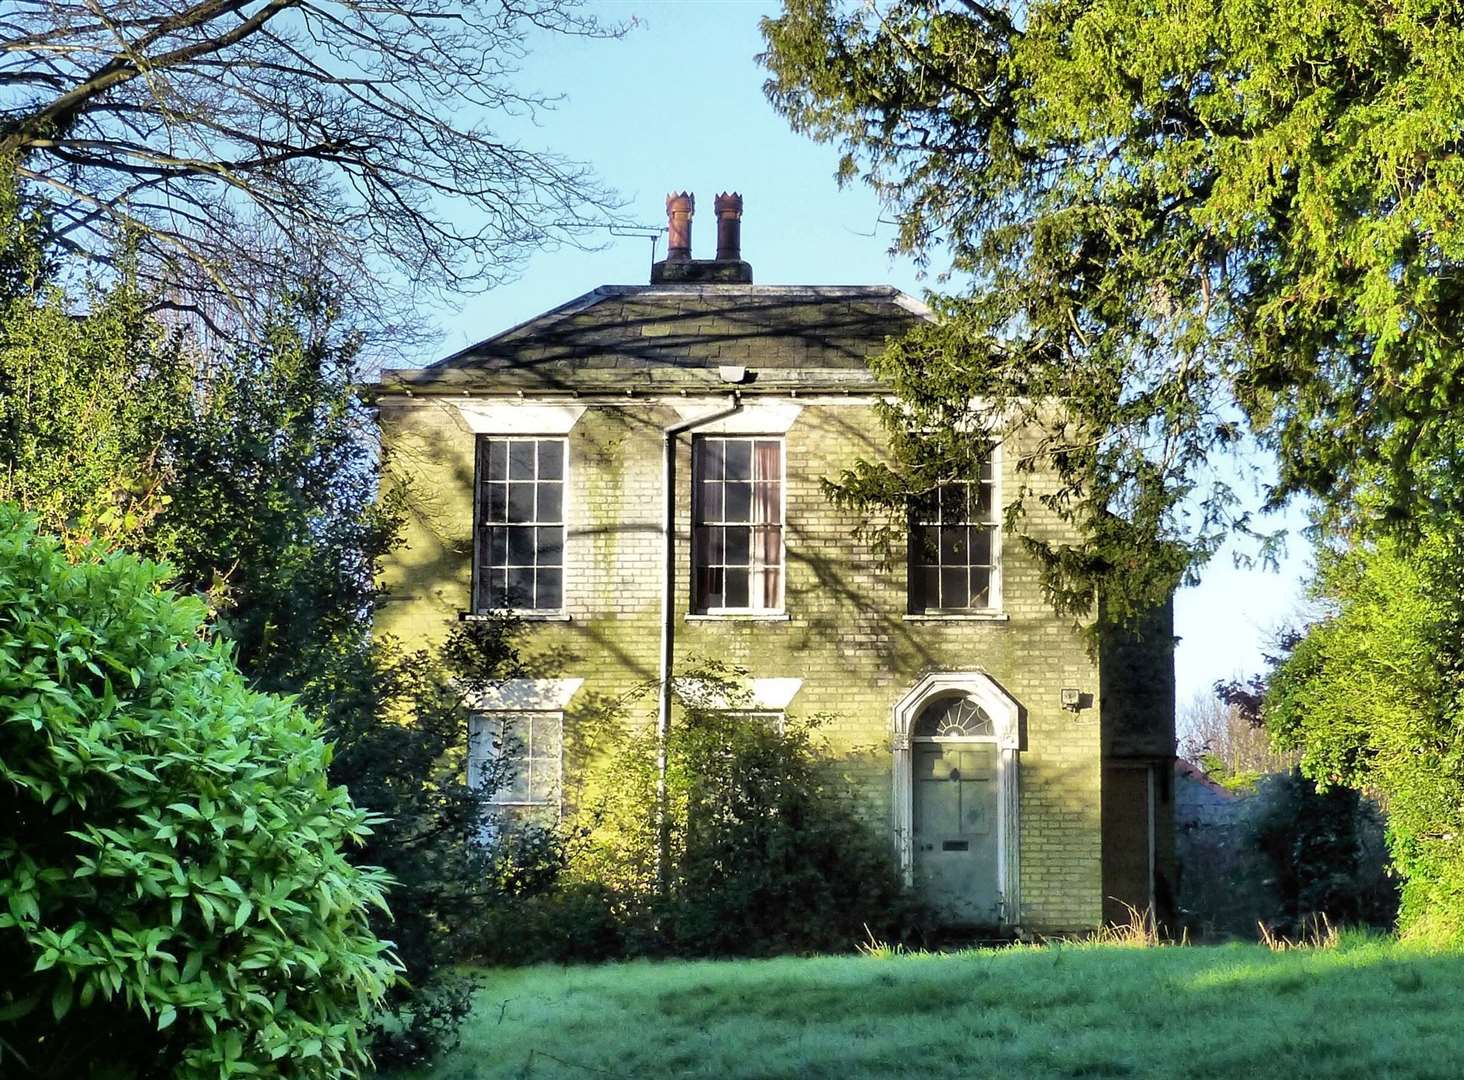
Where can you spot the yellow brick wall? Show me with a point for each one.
(846, 636)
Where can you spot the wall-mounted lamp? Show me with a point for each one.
(1072, 698)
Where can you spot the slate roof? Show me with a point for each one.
(644, 336)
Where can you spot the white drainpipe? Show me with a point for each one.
(668, 617)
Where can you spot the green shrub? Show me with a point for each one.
(1320, 864)
(173, 895)
(768, 852)
(772, 853)
(1371, 697)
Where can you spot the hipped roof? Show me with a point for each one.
(647, 336)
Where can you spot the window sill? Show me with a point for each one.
(973, 616)
(522, 616)
(739, 616)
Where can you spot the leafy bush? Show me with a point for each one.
(1371, 698)
(1320, 861)
(767, 852)
(173, 895)
(398, 721)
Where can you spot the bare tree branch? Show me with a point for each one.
(359, 133)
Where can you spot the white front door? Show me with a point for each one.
(955, 829)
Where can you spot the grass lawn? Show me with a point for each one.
(1369, 1008)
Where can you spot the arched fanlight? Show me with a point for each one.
(953, 718)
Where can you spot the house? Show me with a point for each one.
(1201, 802)
(638, 473)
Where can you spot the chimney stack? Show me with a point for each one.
(679, 208)
(679, 268)
(729, 226)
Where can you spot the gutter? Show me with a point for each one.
(668, 617)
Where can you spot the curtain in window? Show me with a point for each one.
(767, 510)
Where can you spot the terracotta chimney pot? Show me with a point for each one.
(679, 208)
(729, 226)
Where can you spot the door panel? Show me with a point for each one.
(1128, 838)
(955, 829)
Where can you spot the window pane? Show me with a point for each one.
(739, 459)
(739, 546)
(709, 545)
(739, 502)
(953, 503)
(983, 503)
(927, 545)
(551, 459)
(980, 588)
(550, 593)
(953, 547)
(497, 596)
(520, 587)
(768, 546)
(496, 502)
(497, 546)
(767, 500)
(543, 781)
(736, 596)
(709, 587)
(520, 545)
(551, 546)
(711, 502)
(520, 502)
(927, 587)
(772, 579)
(712, 455)
(767, 464)
(520, 460)
(981, 547)
(517, 789)
(954, 591)
(497, 460)
(551, 502)
(546, 737)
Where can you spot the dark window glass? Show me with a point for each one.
(953, 548)
(738, 535)
(520, 540)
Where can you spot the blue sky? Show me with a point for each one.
(678, 104)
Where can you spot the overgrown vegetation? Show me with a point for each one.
(1228, 743)
(250, 466)
(1370, 697)
(773, 848)
(1365, 1008)
(177, 897)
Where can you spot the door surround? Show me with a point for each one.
(1005, 713)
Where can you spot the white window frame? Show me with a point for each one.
(697, 442)
(994, 591)
(478, 525)
(485, 732)
(538, 697)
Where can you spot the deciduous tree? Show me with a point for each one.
(355, 137)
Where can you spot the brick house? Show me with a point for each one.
(637, 472)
